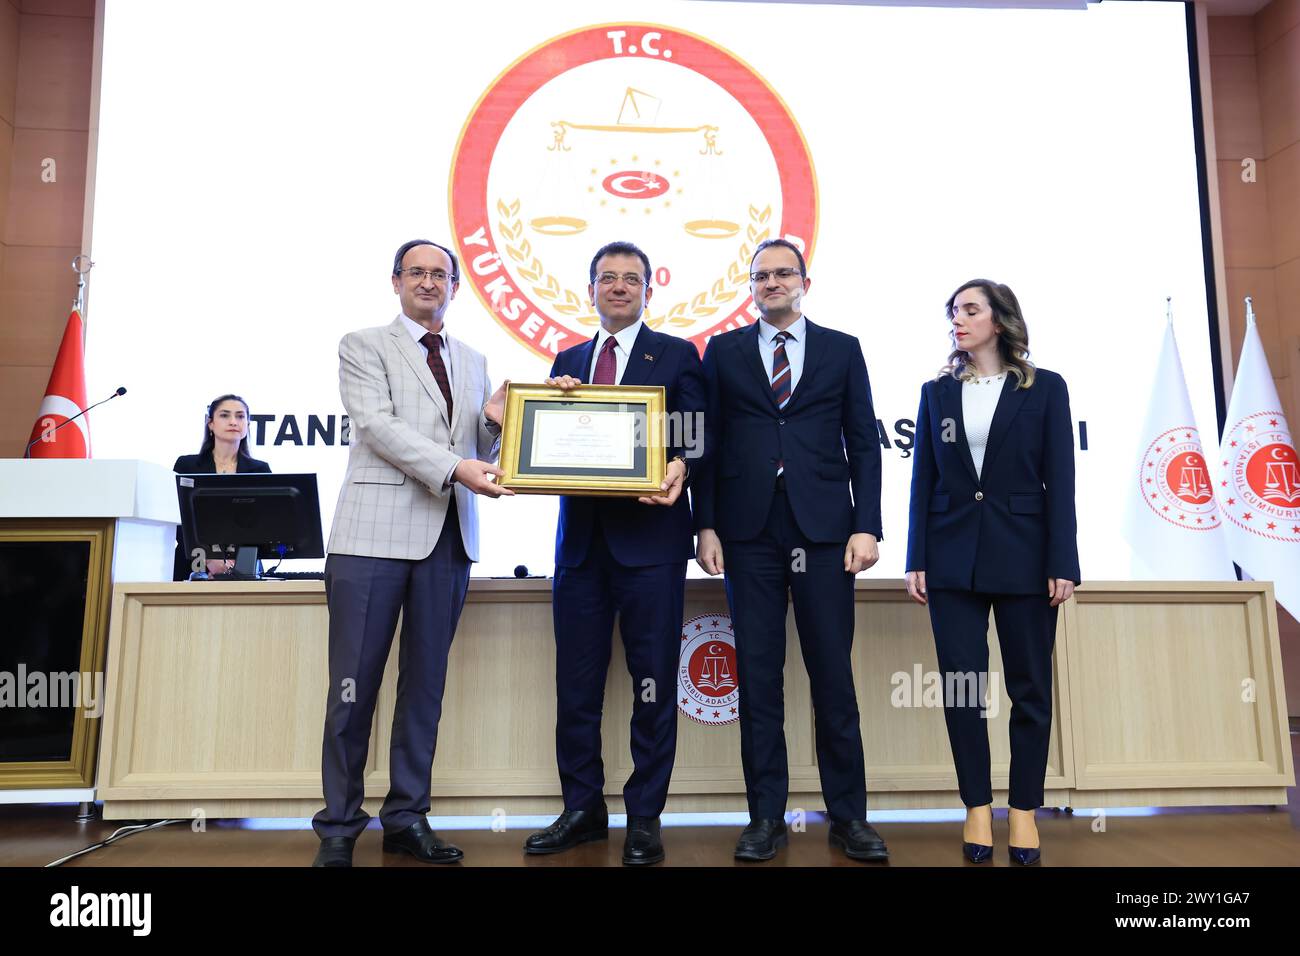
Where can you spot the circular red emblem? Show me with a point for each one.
(632, 185)
(1262, 487)
(626, 131)
(1175, 481)
(708, 689)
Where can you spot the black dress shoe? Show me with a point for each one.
(335, 851)
(570, 828)
(761, 839)
(859, 840)
(421, 842)
(1024, 855)
(643, 843)
(977, 852)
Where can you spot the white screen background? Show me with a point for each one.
(259, 163)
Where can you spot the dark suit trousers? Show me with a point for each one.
(758, 573)
(648, 602)
(365, 596)
(1026, 633)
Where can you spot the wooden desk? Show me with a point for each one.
(1166, 694)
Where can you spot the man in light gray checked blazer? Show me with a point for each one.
(426, 428)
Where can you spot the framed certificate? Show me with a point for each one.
(593, 440)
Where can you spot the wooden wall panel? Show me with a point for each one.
(45, 95)
(1245, 208)
(41, 213)
(1282, 171)
(1238, 132)
(1279, 91)
(35, 281)
(1276, 20)
(54, 73)
(1259, 285)
(21, 389)
(59, 8)
(9, 31)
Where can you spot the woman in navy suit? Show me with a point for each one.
(992, 524)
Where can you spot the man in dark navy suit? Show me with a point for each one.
(790, 491)
(624, 557)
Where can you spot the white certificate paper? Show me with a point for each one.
(573, 438)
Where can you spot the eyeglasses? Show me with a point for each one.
(631, 279)
(782, 274)
(437, 275)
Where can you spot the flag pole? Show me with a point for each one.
(1250, 311)
(1169, 309)
(78, 304)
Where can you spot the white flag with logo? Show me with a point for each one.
(1172, 520)
(1260, 488)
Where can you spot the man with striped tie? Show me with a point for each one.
(790, 431)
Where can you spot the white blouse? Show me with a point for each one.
(979, 400)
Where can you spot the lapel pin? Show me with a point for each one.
(648, 357)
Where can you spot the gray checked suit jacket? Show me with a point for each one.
(403, 447)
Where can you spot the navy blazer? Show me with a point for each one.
(826, 439)
(638, 535)
(1021, 528)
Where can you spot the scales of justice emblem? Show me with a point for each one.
(631, 132)
(1261, 492)
(1175, 482)
(708, 690)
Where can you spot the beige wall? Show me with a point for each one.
(1255, 85)
(45, 60)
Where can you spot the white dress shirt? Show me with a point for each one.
(793, 348)
(979, 400)
(623, 342)
(418, 332)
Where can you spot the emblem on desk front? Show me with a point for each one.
(1174, 480)
(626, 131)
(708, 689)
(1260, 490)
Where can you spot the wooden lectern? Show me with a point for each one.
(69, 530)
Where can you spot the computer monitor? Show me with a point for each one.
(250, 515)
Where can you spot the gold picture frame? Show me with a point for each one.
(97, 534)
(638, 473)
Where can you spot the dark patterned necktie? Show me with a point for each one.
(434, 344)
(606, 363)
(781, 375)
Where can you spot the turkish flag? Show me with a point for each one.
(65, 396)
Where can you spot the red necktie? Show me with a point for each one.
(606, 363)
(433, 343)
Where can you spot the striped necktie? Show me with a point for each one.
(781, 375)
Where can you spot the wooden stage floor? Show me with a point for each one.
(1217, 836)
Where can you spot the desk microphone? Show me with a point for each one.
(43, 435)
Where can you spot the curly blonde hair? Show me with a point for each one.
(1013, 337)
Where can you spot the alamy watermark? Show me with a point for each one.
(61, 689)
(949, 689)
